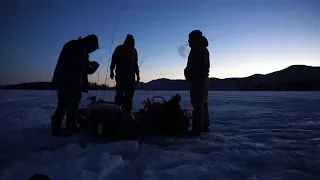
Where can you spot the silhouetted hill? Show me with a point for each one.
(164, 84)
(293, 78)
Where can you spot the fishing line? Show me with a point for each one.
(141, 61)
(114, 32)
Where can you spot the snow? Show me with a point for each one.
(254, 136)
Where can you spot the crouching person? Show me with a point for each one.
(197, 73)
(70, 79)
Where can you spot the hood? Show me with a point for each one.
(205, 41)
(129, 41)
(197, 40)
(92, 43)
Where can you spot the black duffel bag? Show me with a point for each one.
(166, 118)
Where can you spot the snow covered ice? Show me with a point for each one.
(254, 136)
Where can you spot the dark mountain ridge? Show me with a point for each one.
(292, 78)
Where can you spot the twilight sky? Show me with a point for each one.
(245, 36)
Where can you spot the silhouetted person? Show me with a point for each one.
(70, 79)
(125, 60)
(197, 73)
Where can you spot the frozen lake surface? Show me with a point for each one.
(254, 136)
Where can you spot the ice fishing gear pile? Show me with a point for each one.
(107, 121)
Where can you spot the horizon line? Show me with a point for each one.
(179, 79)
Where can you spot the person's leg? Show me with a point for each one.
(206, 118)
(197, 95)
(72, 108)
(59, 113)
(129, 94)
(197, 111)
(119, 98)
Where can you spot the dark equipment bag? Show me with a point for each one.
(166, 118)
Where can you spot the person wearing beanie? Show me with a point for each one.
(70, 78)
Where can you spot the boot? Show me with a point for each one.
(194, 133)
(55, 126)
(197, 125)
(71, 124)
(206, 129)
(65, 133)
(206, 119)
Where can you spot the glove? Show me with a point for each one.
(111, 75)
(94, 64)
(138, 78)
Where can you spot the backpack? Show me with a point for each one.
(166, 118)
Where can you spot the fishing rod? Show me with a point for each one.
(98, 76)
(141, 61)
(114, 32)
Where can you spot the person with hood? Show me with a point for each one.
(125, 60)
(197, 73)
(70, 79)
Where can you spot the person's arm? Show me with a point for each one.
(189, 64)
(136, 66)
(207, 59)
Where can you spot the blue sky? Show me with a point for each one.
(245, 36)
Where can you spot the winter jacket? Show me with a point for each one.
(72, 68)
(125, 60)
(198, 65)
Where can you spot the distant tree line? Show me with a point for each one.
(49, 86)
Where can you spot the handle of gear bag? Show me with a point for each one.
(158, 97)
(93, 100)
